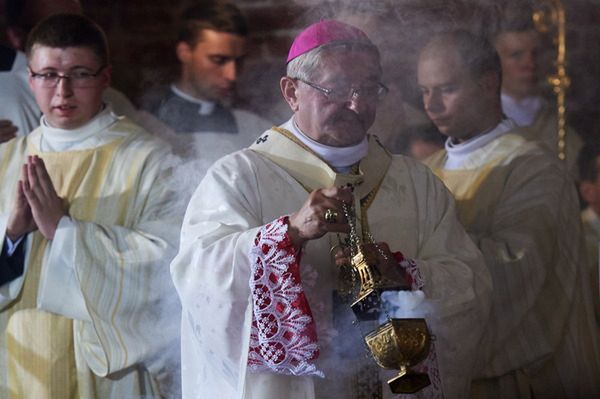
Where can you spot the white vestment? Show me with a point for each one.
(247, 190)
(540, 124)
(93, 315)
(521, 209)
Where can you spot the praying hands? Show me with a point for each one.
(37, 206)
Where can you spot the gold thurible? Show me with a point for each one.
(364, 264)
(367, 303)
(399, 343)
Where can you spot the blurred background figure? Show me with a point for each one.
(198, 106)
(525, 97)
(211, 47)
(19, 112)
(588, 164)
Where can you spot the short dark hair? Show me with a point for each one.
(587, 162)
(69, 30)
(476, 52)
(218, 15)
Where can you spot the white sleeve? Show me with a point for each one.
(60, 290)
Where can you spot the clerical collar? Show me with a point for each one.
(84, 137)
(522, 111)
(206, 107)
(459, 152)
(340, 158)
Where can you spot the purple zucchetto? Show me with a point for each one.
(325, 32)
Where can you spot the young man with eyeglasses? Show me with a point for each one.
(87, 229)
(255, 271)
(19, 113)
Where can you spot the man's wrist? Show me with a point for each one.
(294, 234)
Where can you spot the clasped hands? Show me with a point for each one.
(37, 206)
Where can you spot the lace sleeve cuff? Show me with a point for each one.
(283, 337)
(411, 271)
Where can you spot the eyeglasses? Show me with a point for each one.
(370, 92)
(77, 78)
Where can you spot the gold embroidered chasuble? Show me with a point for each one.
(243, 192)
(519, 206)
(312, 172)
(114, 198)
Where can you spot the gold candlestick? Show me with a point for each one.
(550, 17)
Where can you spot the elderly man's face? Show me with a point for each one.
(339, 123)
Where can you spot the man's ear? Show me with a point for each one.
(289, 91)
(183, 52)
